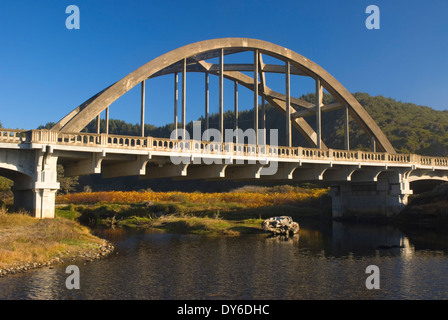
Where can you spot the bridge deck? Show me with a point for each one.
(131, 144)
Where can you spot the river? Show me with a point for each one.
(325, 261)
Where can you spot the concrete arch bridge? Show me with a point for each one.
(376, 180)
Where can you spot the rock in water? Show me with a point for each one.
(283, 225)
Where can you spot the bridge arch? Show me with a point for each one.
(17, 163)
(12, 171)
(192, 58)
(419, 175)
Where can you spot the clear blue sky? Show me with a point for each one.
(47, 70)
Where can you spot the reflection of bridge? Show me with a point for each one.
(377, 180)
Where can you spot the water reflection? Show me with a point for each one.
(43, 285)
(321, 262)
(364, 240)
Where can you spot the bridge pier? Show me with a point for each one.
(34, 173)
(369, 199)
(39, 202)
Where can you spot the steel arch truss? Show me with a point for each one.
(192, 58)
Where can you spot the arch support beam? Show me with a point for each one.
(367, 174)
(311, 172)
(285, 171)
(135, 167)
(340, 173)
(90, 165)
(211, 171)
(166, 171)
(246, 172)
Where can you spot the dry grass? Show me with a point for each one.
(24, 239)
(202, 225)
(249, 199)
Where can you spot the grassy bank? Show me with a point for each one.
(26, 242)
(231, 213)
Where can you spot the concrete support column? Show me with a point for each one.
(176, 95)
(235, 105)
(207, 103)
(263, 119)
(288, 103)
(373, 144)
(107, 120)
(36, 193)
(319, 94)
(142, 111)
(98, 124)
(221, 94)
(44, 200)
(39, 203)
(256, 95)
(346, 129)
(184, 96)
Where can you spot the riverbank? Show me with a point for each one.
(28, 243)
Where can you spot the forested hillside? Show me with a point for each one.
(410, 128)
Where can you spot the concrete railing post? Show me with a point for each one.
(103, 139)
(331, 154)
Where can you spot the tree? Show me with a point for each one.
(67, 184)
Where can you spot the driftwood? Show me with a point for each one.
(282, 225)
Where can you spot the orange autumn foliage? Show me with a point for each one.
(249, 199)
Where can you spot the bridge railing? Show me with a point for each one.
(13, 136)
(209, 147)
(433, 161)
(89, 139)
